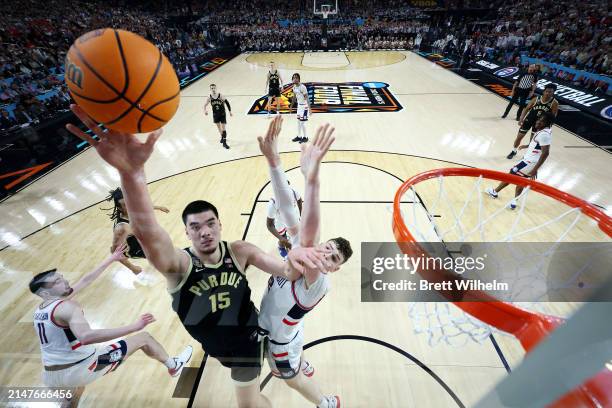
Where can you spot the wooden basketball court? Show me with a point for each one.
(365, 352)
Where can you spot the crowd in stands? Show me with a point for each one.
(36, 34)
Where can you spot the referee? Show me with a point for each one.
(522, 90)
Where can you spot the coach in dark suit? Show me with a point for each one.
(522, 90)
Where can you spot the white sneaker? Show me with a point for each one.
(332, 402)
(146, 278)
(513, 204)
(492, 193)
(307, 369)
(181, 361)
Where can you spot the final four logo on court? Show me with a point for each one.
(337, 97)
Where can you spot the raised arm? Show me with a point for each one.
(278, 179)
(70, 312)
(128, 155)
(85, 281)
(310, 162)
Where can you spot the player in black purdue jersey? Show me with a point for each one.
(122, 232)
(218, 103)
(209, 290)
(273, 86)
(535, 108)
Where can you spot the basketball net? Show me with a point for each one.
(457, 323)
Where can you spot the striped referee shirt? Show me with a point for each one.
(526, 80)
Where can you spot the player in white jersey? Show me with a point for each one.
(286, 302)
(300, 95)
(275, 223)
(537, 153)
(70, 358)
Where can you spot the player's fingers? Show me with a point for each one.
(319, 262)
(321, 135)
(81, 135)
(328, 141)
(87, 121)
(153, 136)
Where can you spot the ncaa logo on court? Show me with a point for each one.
(607, 112)
(336, 97)
(504, 72)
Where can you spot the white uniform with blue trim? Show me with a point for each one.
(301, 93)
(534, 151)
(283, 308)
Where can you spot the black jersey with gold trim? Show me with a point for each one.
(218, 105)
(538, 108)
(214, 302)
(274, 80)
(134, 249)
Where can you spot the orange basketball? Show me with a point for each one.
(122, 80)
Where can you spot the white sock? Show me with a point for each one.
(299, 123)
(303, 128)
(515, 150)
(284, 197)
(170, 363)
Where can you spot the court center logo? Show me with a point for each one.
(505, 72)
(336, 97)
(607, 112)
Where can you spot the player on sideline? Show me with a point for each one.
(273, 86)
(537, 153)
(69, 356)
(218, 101)
(207, 281)
(535, 108)
(285, 303)
(300, 95)
(275, 224)
(122, 233)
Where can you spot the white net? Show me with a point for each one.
(458, 210)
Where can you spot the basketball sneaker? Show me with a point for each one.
(492, 193)
(511, 155)
(181, 360)
(307, 369)
(296, 139)
(304, 140)
(331, 402)
(513, 204)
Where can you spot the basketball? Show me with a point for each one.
(122, 80)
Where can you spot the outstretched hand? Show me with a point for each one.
(123, 151)
(311, 258)
(313, 153)
(144, 320)
(118, 254)
(269, 144)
